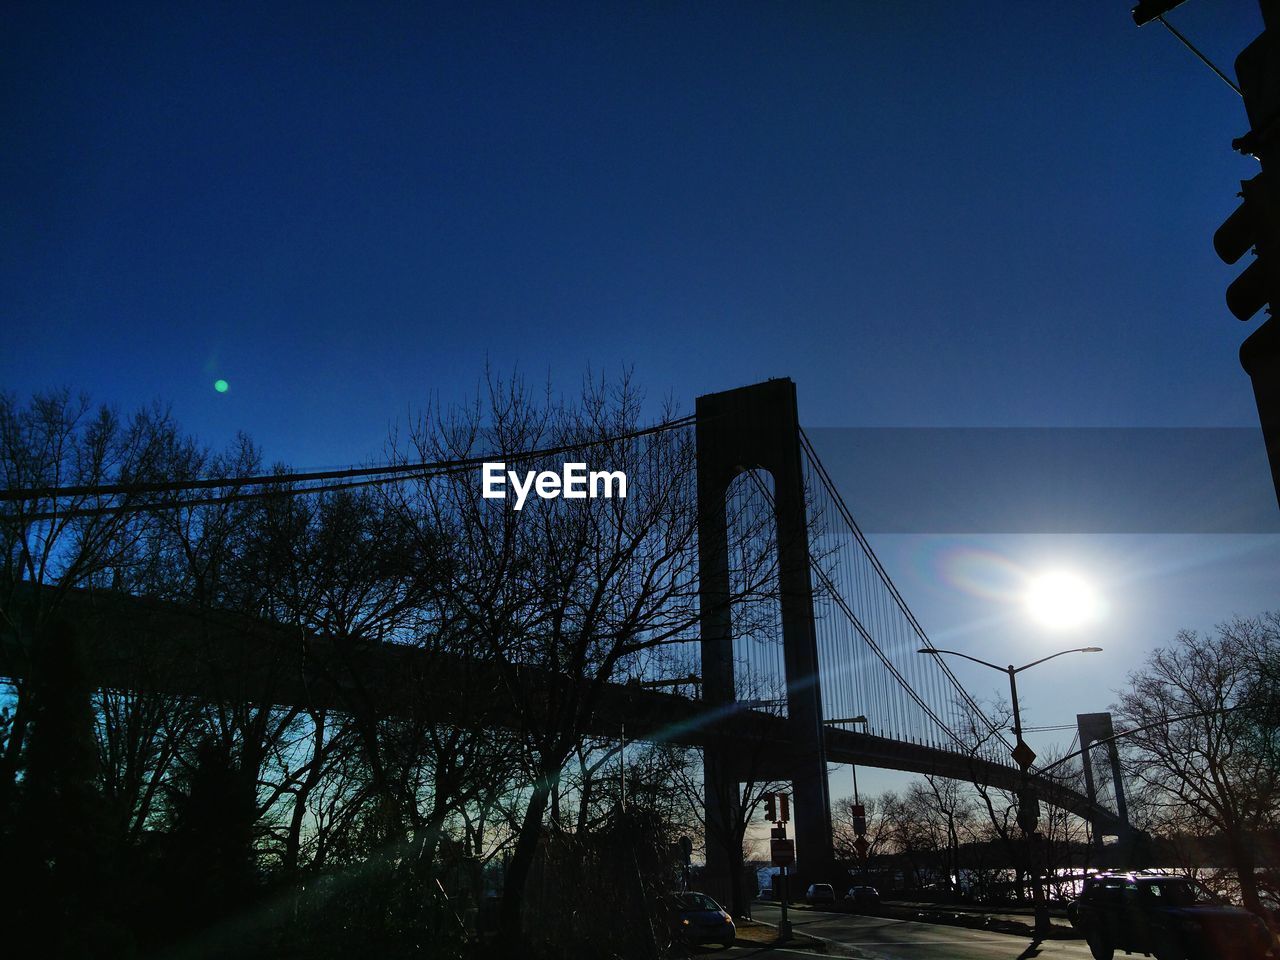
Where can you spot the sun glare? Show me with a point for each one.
(1062, 600)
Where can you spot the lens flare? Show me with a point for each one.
(982, 573)
(221, 386)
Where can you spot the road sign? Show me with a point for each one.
(1023, 755)
(778, 833)
(861, 845)
(783, 852)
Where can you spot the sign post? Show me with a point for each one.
(783, 855)
(782, 852)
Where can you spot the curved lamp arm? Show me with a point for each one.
(934, 651)
(1058, 654)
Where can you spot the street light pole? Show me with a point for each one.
(858, 813)
(1013, 697)
(1023, 755)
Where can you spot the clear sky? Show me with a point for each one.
(925, 213)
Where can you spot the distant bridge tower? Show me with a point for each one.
(1095, 728)
(757, 428)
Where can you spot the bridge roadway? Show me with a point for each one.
(180, 649)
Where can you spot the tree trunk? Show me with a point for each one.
(1242, 860)
(737, 894)
(521, 862)
(293, 842)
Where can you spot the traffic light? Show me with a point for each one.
(1028, 810)
(785, 801)
(1256, 225)
(1252, 226)
(859, 819)
(770, 809)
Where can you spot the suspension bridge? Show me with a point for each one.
(800, 627)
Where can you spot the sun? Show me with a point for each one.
(1062, 600)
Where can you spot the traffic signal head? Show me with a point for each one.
(859, 819)
(1253, 226)
(1028, 809)
(786, 807)
(770, 809)
(1256, 223)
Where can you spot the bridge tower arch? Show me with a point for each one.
(757, 428)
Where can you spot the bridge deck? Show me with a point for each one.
(147, 644)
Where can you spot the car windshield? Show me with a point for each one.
(696, 901)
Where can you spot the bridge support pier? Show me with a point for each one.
(1097, 728)
(757, 428)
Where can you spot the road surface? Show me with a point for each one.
(879, 938)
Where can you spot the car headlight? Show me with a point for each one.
(684, 921)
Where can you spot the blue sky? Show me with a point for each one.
(927, 214)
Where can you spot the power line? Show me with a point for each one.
(357, 477)
(86, 512)
(1162, 722)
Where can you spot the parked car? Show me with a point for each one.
(1165, 916)
(863, 896)
(696, 919)
(820, 893)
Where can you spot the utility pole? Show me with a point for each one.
(859, 812)
(777, 811)
(1023, 756)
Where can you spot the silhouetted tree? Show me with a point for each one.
(565, 596)
(63, 869)
(1203, 741)
(46, 549)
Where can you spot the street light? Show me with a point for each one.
(858, 719)
(858, 813)
(1021, 750)
(1023, 755)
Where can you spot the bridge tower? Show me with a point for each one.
(757, 428)
(1096, 728)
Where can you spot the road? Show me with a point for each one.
(879, 938)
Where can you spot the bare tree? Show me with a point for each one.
(1204, 741)
(878, 824)
(49, 549)
(562, 597)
